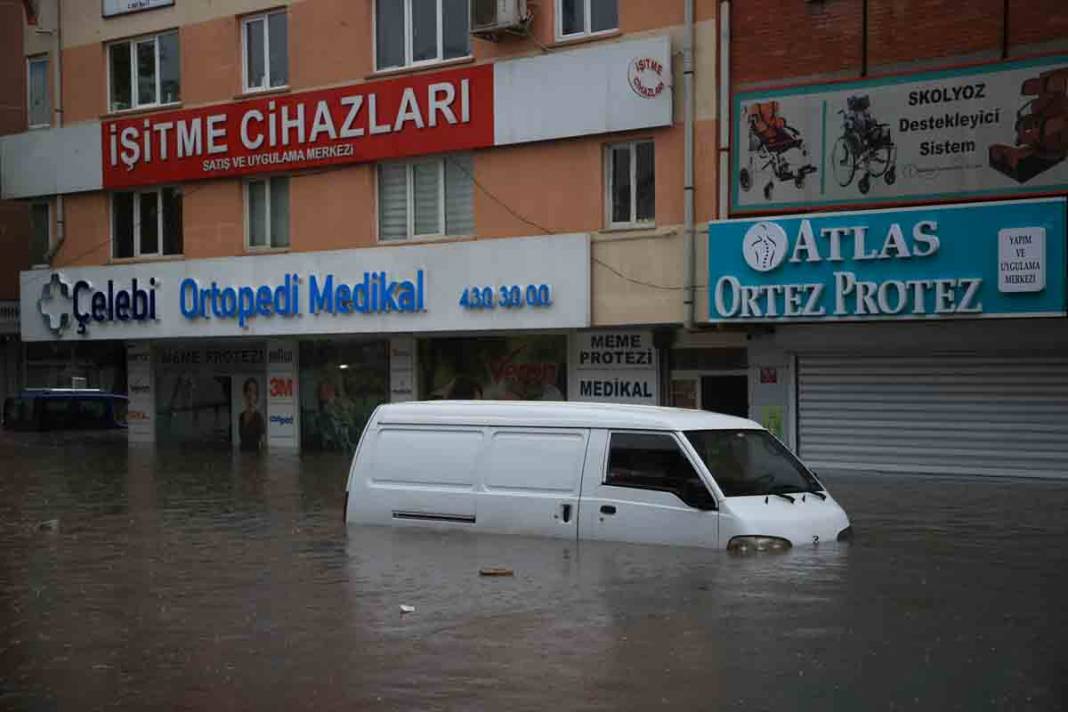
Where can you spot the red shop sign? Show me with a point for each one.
(395, 118)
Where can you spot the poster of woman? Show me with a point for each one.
(250, 426)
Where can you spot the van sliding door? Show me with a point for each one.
(530, 481)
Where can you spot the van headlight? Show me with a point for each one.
(747, 544)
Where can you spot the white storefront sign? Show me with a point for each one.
(112, 8)
(613, 367)
(503, 284)
(1022, 259)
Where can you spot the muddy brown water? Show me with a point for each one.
(199, 579)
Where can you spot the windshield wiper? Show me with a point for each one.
(817, 493)
(785, 496)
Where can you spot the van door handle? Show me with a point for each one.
(608, 509)
(565, 512)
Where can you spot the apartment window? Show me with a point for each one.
(267, 212)
(40, 232)
(146, 223)
(266, 43)
(40, 104)
(630, 178)
(575, 18)
(420, 31)
(425, 198)
(144, 72)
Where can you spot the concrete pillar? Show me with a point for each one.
(402, 369)
(141, 385)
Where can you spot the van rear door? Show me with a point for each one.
(530, 481)
(642, 487)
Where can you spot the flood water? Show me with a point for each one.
(183, 579)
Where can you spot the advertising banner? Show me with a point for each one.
(614, 87)
(513, 283)
(613, 367)
(282, 394)
(249, 422)
(987, 130)
(961, 261)
(409, 116)
(493, 368)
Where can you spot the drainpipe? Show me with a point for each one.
(688, 245)
(725, 118)
(57, 120)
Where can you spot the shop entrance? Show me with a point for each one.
(724, 392)
(728, 394)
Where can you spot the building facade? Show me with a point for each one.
(265, 218)
(896, 241)
(305, 209)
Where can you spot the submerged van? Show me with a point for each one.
(592, 471)
(64, 409)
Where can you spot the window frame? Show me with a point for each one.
(245, 22)
(136, 220)
(408, 42)
(49, 223)
(609, 184)
(684, 452)
(30, 61)
(409, 184)
(132, 43)
(247, 207)
(558, 21)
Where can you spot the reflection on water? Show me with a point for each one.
(204, 579)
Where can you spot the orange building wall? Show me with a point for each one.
(556, 186)
(85, 83)
(211, 61)
(330, 42)
(333, 210)
(87, 238)
(213, 222)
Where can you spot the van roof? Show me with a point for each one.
(559, 414)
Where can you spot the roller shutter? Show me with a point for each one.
(952, 414)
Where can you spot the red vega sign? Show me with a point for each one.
(408, 116)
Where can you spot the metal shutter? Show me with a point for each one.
(953, 414)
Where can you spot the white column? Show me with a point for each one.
(141, 386)
(283, 395)
(402, 369)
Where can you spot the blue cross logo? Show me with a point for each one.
(56, 303)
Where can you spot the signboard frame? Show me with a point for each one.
(804, 268)
(807, 166)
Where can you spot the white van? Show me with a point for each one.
(590, 471)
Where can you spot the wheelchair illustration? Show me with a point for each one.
(865, 147)
(771, 139)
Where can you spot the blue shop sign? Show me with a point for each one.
(959, 261)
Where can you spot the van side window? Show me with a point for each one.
(654, 461)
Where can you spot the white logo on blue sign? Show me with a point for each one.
(764, 246)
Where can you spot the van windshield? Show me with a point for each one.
(750, 462)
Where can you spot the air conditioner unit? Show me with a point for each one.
(493, 16)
